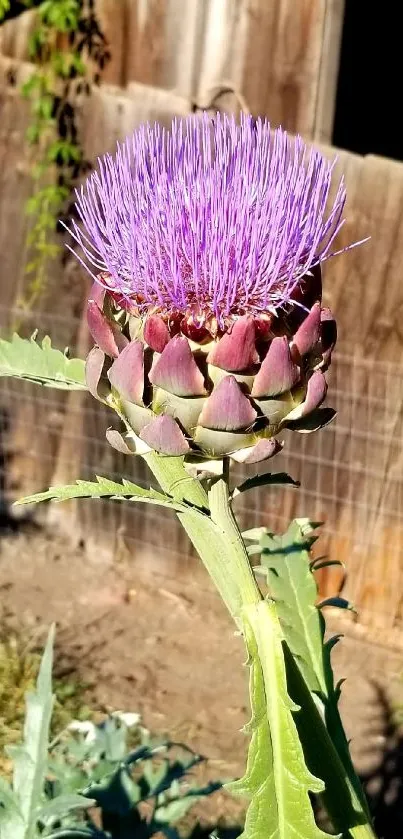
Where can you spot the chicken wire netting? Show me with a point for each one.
(350, 472)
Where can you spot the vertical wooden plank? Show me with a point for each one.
(73, 430)
(15, 183)
(225, 43)
(364, 287)
(15, 35)
(145, 42)
(281, 63)
(163, 42)
(281, 56)
(112, 17)
(328, 71)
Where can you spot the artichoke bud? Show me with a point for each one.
(184, 390)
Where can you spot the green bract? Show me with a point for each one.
(188, 391)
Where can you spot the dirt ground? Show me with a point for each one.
(165, 647)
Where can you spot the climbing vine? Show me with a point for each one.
(69, 51)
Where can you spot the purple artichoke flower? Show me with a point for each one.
(205, 244)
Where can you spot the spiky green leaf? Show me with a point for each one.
(41, 363)
(285, 561)
(104, 488)
(62, 805)
(277, 780)
(172, 811)
(268, 479)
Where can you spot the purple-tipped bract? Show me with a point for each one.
(212, 219)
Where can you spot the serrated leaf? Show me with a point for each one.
(291, 582)
(61, 806)
(277, 779)
(268, 479)
(155, 775)
(286, 561)
(103, 488)
(172, 811)
(110, 740)
(116, 793)
(41, 363)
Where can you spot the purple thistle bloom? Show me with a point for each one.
(210, 219)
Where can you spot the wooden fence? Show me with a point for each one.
(352, 472)
(280, 56)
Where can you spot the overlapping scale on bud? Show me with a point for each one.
(206, 307)
(186, 391)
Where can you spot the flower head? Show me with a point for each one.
(212, 219)
(206, 304)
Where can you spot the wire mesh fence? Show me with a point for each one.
(350, 474)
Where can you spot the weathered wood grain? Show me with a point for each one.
(280, 57)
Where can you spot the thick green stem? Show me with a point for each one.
(214, 532)
(216, 536)
(236, 555)
(174, 480)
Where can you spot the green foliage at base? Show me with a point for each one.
(19, 666)
(87, 783)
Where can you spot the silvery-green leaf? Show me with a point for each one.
(103, 488)
(61, 806)
(11, 819)
(285, 560)
(24, 358)
(171, 811)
